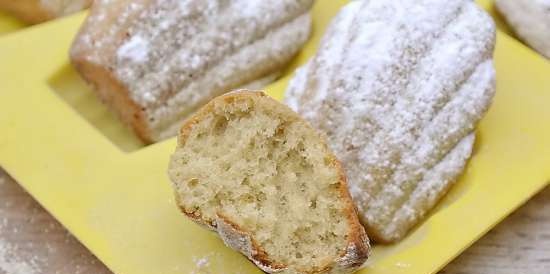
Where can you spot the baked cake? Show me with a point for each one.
(398, 88)
(249, 168)
(530, 19)
(156, 62)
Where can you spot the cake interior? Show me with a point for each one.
(269, 173)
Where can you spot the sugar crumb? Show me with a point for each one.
(135, 50)
(12, 264)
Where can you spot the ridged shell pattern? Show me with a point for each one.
(173, 56)
(530, 19)
(398, 87)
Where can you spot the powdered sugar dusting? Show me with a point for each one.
(32, 242)
(201, 264)
(173, 56)
(135, 50)
(12, 264)
(214, 30)
(327, 61)
(96, 34)
(530, 19)
(414, 79)
(545, 3)
(232, 68)
(403, 265)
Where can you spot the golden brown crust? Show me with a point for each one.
(358, 243)
(113, 93)
(33, 11)
(117, 31)
(29, 11)
(102, 78)
(258, 256)
(357, 234)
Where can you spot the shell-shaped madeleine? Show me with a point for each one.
(156, 62)
(398, 87)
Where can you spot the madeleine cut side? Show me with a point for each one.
(252, 170)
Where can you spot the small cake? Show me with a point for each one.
(249, 168)
(37, 11)
(530, 19)
(398, 88)
(156, 62)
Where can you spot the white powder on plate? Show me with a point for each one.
(13, 265)
(201, 265)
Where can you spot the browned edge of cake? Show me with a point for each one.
(358, 248)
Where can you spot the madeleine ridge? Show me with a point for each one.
(398, 88)
(156, 62)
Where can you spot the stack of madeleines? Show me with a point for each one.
(379, 123)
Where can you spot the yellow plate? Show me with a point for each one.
(111, 192)
(9, 24)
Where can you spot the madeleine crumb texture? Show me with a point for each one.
(254, 171)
